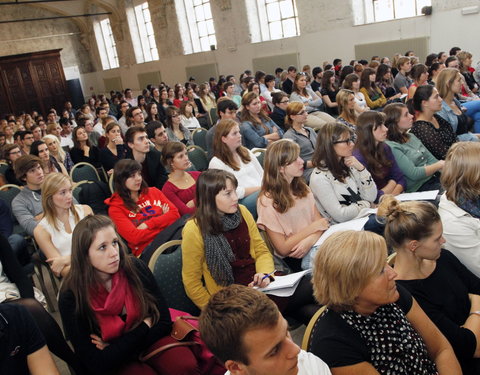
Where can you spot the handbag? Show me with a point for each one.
(181, 328)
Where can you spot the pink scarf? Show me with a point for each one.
(108, 307)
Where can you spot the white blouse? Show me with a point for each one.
(60, 238)
(249, 175)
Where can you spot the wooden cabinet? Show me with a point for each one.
(32, 81)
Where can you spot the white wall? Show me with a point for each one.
(327, 32)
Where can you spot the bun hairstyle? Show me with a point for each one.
(406, 220)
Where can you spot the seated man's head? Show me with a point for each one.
(29, 170)
(226, 108)
(245, 330)
(137, 139)
(157, 134)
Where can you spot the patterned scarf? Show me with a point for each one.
(395, 347)
(218, 252)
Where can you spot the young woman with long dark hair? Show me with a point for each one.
(372, 151)
(222, 246)
(373, 95)
(140, 212)
(113, 311)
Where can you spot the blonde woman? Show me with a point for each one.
(57, 152)
(346, 108)
(369, 319)
(60, 215)
(459, 207)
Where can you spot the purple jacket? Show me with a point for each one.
(393, 173)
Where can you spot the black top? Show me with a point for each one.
(108, 160)
(13, 270)
(10, 176)
(338, 344)
(444, 297)
(287, 86)
(316, 86)
(278, 117)
(121, 350)
(19, 337)
(78, 156)
(437, 141)
(332, 95)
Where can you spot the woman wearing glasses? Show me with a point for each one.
(343, 188)
(175, 130)
(305, 95)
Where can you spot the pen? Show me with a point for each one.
(267, 275)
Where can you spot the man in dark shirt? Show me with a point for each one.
(23, 349)
(153, 171)
(287, 85)
(317, 73)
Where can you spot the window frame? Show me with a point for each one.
(265, 22)
(147, 51)
(369, 12)
(106, 44)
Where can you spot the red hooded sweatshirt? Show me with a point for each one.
(150, 212)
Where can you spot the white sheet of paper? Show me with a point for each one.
(355, 224)
(418, 196)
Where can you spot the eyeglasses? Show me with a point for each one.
(347, 141)
(301, 74)
(14, 152)
(136, 114)
(301, 113)
(284, 101)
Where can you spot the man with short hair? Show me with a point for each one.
(245, 330)
(27, 205)
(287, 85)
(128, 97)
(226, 109)
(36, 132)
(452, 62)
(157, 134)
(316, 84)
(66, 133)
(228, 88)
(278, 80)
(26, 140)
(101, 114)
(135, 117)
(237, 89)
(153, 171)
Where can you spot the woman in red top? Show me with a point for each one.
(180, 186)
(139, 212)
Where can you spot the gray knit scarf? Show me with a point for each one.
(218, 252)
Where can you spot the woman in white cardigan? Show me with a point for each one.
(459, 207)
(231, 156)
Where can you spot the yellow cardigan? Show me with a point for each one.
(380, 102)
(199, 283)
